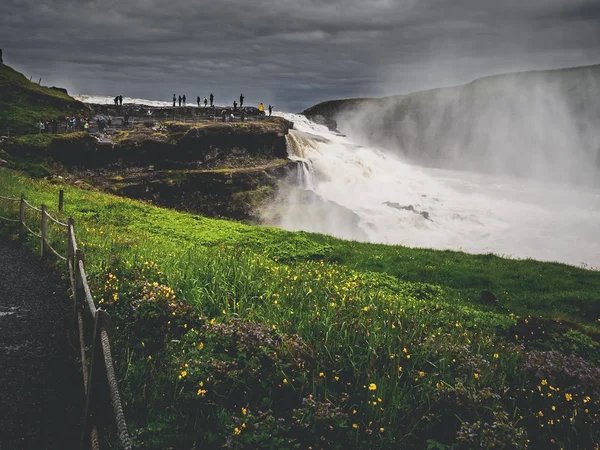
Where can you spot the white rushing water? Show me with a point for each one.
(358, 192)
(103, 100)
(476, 213)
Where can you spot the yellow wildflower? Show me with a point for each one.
(355, 426)
(568, 396)
(372, 386)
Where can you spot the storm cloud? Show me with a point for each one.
(290, 53)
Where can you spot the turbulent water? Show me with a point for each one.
(103, 100)
(369, 194)
(398, 203)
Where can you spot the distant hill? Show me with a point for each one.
(23, 103)
(542, 124)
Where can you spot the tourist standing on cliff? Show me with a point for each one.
(234, 105)
(179, 100)
(121, 100)
(174, 100)
(261, 108)
(241, 100)
(270, 110)
(198, 101)
(183, 99)
(205, 102)
(212, 97)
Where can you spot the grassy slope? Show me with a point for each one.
(23, 103)
(522, 286)
(360, 310)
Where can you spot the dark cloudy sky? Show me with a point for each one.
(291, 53)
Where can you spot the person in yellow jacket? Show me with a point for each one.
(261, 108)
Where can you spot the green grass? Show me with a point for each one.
(23, 103)
(228, 334)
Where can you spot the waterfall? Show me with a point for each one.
(371, 193)
(305, 170)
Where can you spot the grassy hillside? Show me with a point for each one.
(23, 103)
(248, 337)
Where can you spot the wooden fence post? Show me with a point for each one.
(44, 229)
(79, 293)
(88, 422)
(61, 200)
(70, 243)
(22, 217)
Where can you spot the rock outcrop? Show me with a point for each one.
(213, 168)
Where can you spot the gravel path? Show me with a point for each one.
(41, 390)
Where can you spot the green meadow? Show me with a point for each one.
(239, 336)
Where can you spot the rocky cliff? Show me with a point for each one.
(215, 168)
(540, 124)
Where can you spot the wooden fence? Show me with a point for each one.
(93, 326)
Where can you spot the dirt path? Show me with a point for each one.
(41, 391)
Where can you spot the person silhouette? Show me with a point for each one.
(121, 100)
(180, 100)
(211, 99)
(241, 100)
(174, 100)
(198, 101)
(184, 100)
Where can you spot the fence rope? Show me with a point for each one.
(10, 199)
(54, 251)
(115, 398)
(58, 222)
(31, 206)
(8, 220)
(31, 231)
(76, 269)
